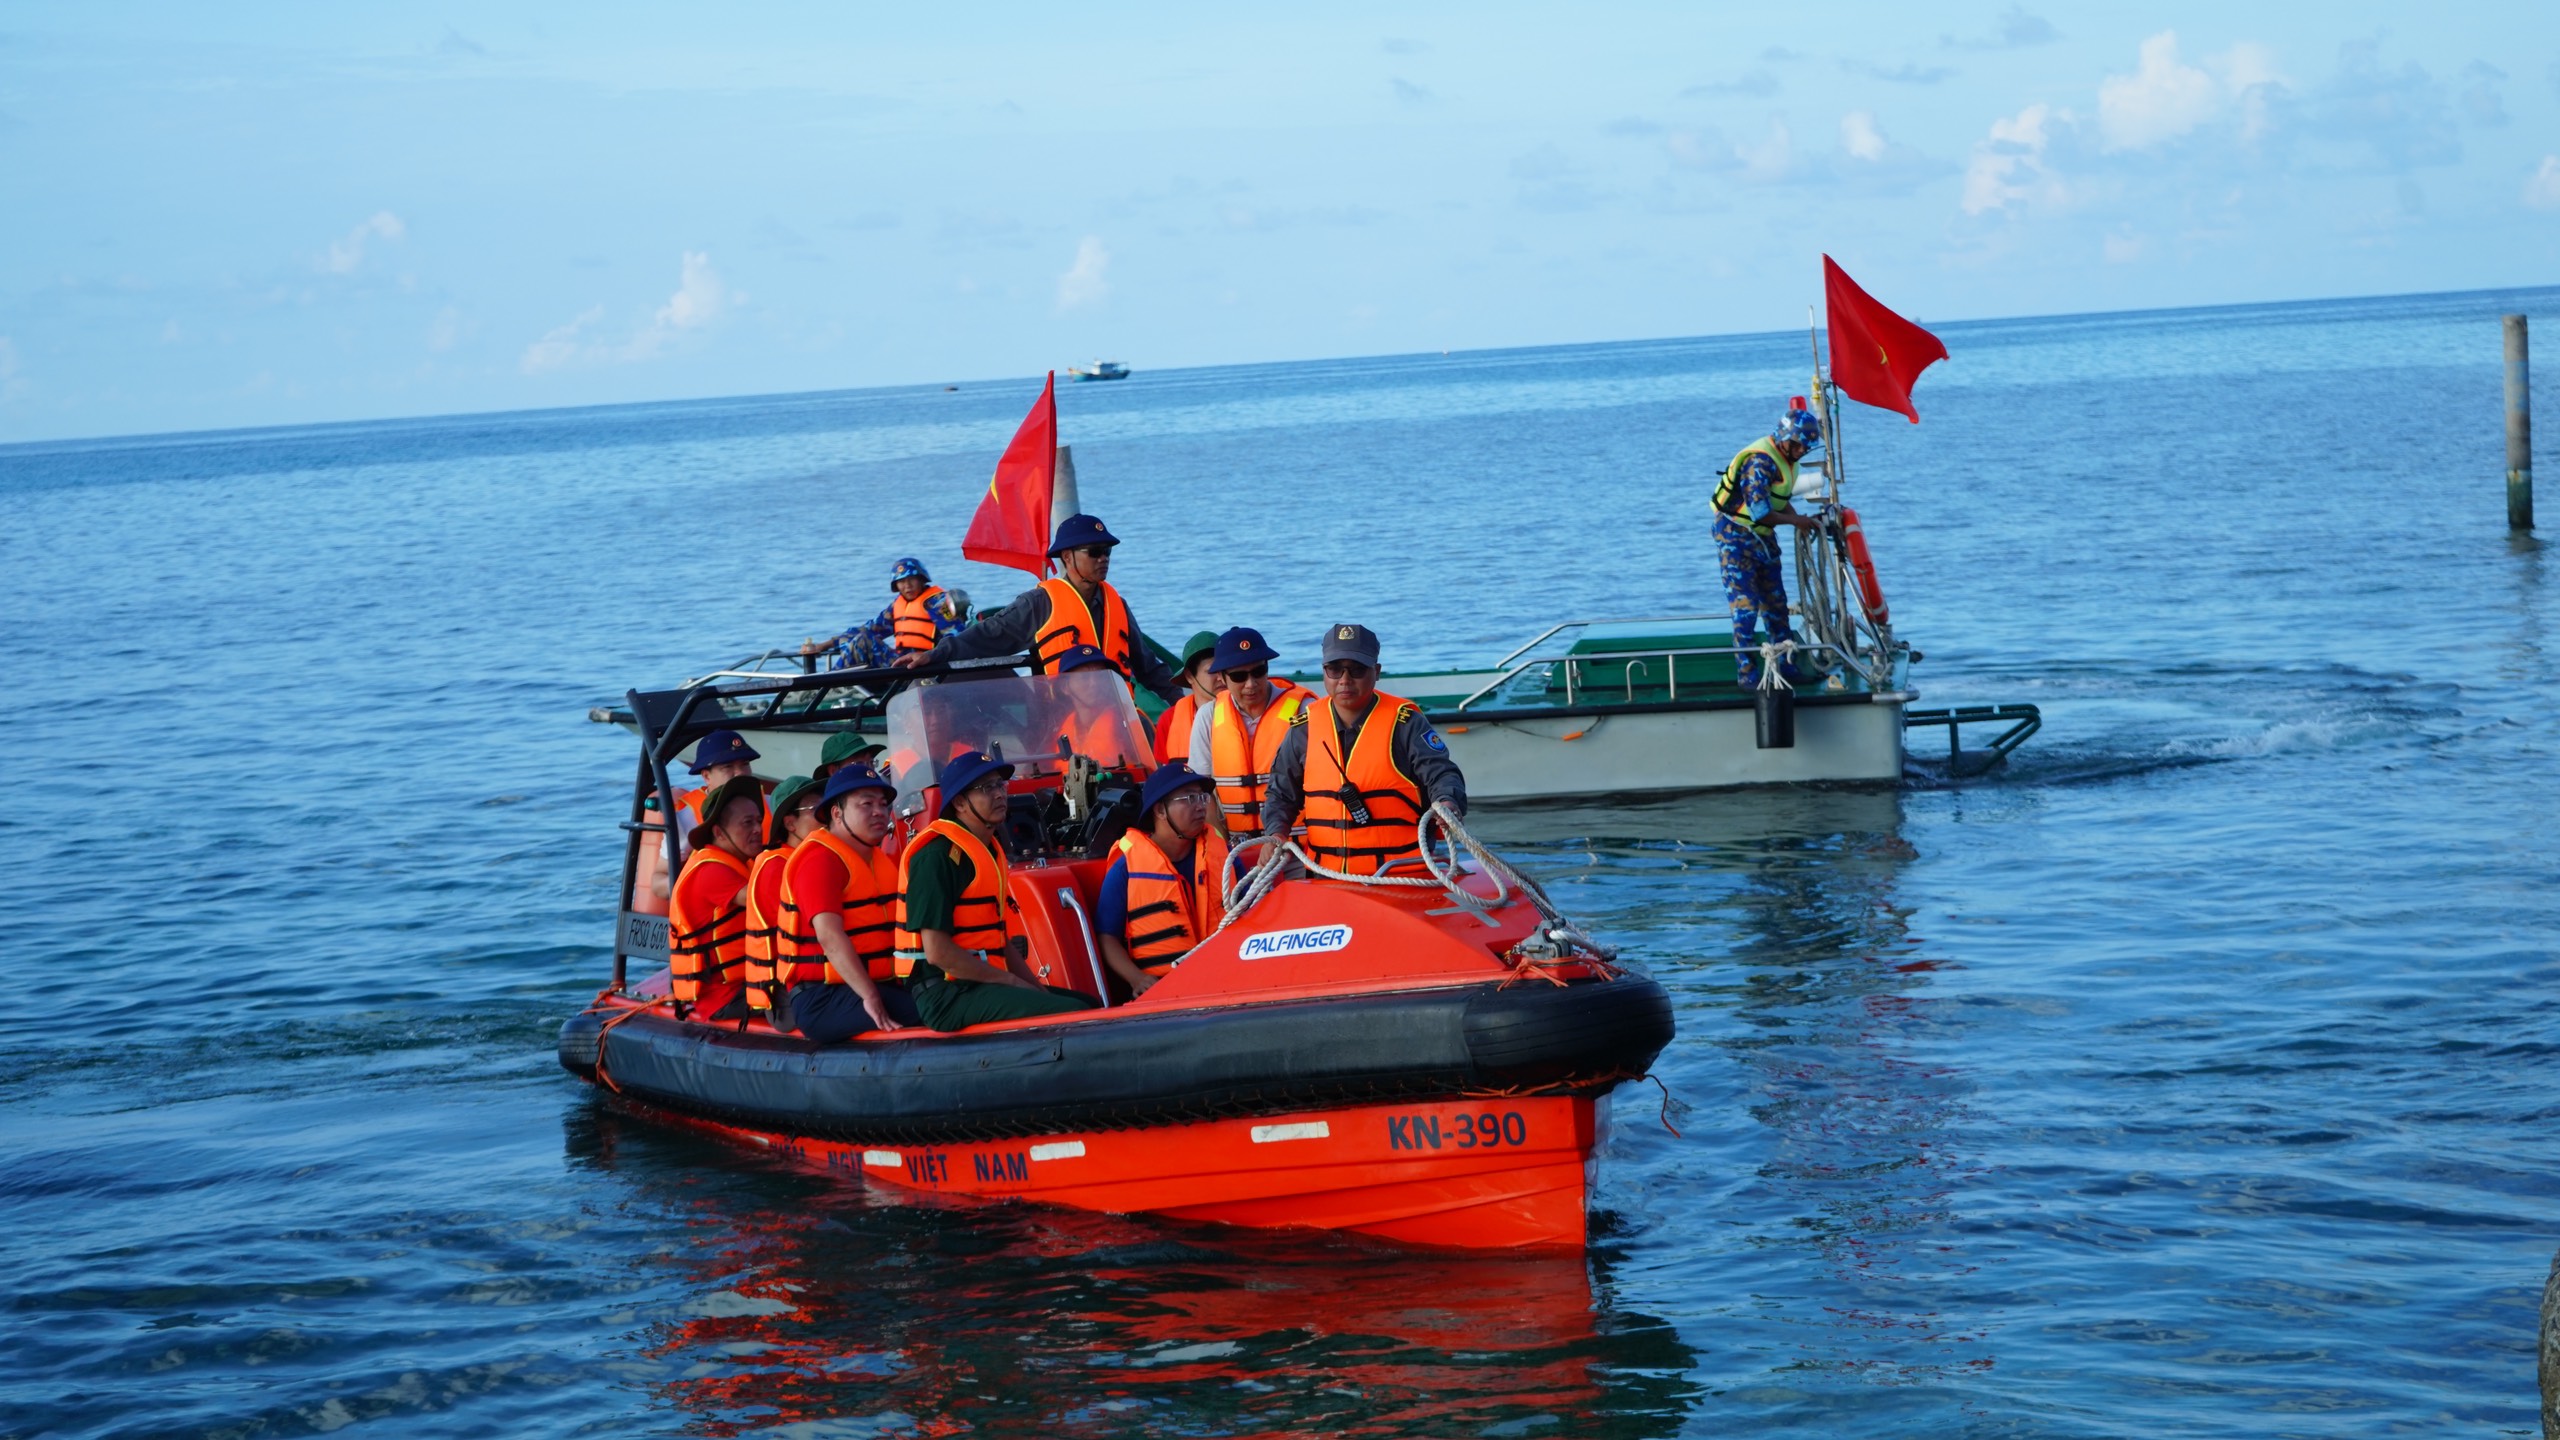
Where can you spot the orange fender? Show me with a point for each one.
(1853, 538)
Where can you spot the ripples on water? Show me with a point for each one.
(2194, 1076)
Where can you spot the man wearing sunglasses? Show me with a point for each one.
(1359, 766)
(1235, 739)
(1076, 607)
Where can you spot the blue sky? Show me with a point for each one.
(244, 215)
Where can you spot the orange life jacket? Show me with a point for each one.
(1072, 623)
(1169, 915)
(982, 919)
(1173, 728)
(1240, 764)
(869, 899)
(764, 906)
(911, 621)
(706, 922)
(1393, 802)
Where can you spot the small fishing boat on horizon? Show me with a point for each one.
(1102, 370)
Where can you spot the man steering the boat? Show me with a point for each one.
(1076, 607)
(956, 925)
(1752, 498)
(1359, 766)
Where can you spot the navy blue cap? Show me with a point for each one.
(1165, 779)
(720, 747)
(1085, 657)
(1238, 648)
(907, 567)
(1351, 642)
(1077, 531)
(848, 778)
(968, 768)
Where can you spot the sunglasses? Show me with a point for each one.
(1347, 669)
(1249, 672)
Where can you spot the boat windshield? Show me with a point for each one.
(1090, 710)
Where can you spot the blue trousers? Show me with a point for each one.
(827, 1012)
(1755, 588)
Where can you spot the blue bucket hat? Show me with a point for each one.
(1238, 648)
(968, 768)
(849, 778)
(1085, 657)
(907, 568)
(1078, 531)
(1164, 780)
(720, 747)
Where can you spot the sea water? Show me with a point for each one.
(2196, 1074)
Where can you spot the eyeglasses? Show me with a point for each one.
(1244, 673)
(1346, 669)
(800, 810)
(992, 785)
(1188, 797)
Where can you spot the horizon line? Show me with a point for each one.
(248, 431)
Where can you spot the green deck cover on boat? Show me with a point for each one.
(1600, 677)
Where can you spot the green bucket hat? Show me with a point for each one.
(745, 786)
(791, 788)
(846, 745)
(1204, 643)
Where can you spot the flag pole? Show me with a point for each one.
(1822, 393)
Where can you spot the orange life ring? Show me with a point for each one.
(1854, 540)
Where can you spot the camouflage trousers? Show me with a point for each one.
(1755, 588)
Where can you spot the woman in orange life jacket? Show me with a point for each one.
(707, 914)
(831, 944)
(1160, 897)
(956, 926)
(1173, 727)
(795, 805)
(1077, 607)
(1359, 766)
(1235, 741)
(719, 757)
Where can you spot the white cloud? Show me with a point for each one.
(558, 347)
(1860, 137)
(345, 255)
(700, 299)
(446, 330)
(1087, 281)
(2162, 100)
(2009, 165)
(1771, 157)
(2542, 191)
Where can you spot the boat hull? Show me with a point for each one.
(1663, 751)
(1506, 1173)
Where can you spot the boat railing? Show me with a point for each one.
(1634, 660)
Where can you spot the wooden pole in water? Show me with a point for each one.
(2519, 428)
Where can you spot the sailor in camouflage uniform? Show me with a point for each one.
(1752, 498)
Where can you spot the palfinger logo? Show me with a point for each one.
(1305, 940)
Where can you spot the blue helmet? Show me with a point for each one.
(907, 568)
(1800, 426)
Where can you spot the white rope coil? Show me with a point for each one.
(1241, 894)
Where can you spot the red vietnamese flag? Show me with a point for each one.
(1012, 523)
(1875, 354)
